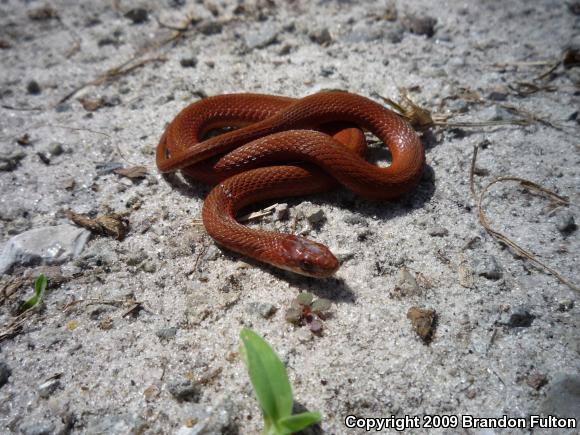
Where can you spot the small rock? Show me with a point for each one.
(184, 390)
(537, 381)
(406, 285)
(565, 305)
(188, 62)
(43, 13)
(10, 161)
(33, 87)
(420, 25)
(321, 36)
(44, 157)
(281, 212)
(105, 168)
(166, 333)
(566, 223)
(137, 15)
(364, 33)
(313, 214)
(55, 149)
(91, 104)
(438, 231)
(5, 373)
(263, 309)
(488, 268)
(210, 27)
(519, 317)
(117, 424)
(45, 245)
(46, 389)
(396, 34)
(499, 93)
(37, 428)
(266, 35)
(563, 397)
(465, 275)
(149, 266)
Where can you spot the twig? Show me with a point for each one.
(502, 237)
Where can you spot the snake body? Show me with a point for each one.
(286, 147)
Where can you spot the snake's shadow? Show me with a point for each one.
(333, 288)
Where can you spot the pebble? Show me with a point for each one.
(313, 214)
(438, 231)
(321, 36)
(210, 27)
(566, 223)
(188, 62)
(266, 35)
(149, 266)
(565, 305)
(520, 317)
(36, 428)
(33, 87)
(499, 93)
(137, 15)
(281, 212)
(10, 161)
(117, 424)
(5, 373)
(184, 390)
(488, 268)
(563, 397)
(166, 333)
(263, 309)
(396, 34)
(55, 149)
(45, 245)
(420, 25)
(406, 285)
(46, 389)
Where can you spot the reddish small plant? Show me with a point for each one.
(305, 310)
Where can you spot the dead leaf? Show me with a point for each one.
(115, 225)
(423, 322)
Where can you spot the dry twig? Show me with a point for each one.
(502, 237)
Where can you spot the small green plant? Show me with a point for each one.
(304, 310)
(39, 288)
(272, 387)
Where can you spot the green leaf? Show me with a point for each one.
(269, 377)
(297, 422)
(39, 288)
(305, 298)
(321, 305)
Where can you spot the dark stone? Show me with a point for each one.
(137, 15)
(5, 373)
(33, 87)
(520, 318)
(188, 62)
(566, 223)
(421, 25)
(184, 390)
(210, 27)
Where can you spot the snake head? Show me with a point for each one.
(306, 257)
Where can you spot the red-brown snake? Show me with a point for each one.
(261, 160)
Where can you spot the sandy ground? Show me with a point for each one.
(92, 361)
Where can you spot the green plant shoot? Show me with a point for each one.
(39, 288)
(272, 387)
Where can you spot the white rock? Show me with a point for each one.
(46, 245)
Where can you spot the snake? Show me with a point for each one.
(277, 147)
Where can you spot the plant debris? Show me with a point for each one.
(423, 322)
(115, 225)
(502, 238)
(304, 310)
(132, 172)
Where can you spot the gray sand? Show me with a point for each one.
(506, 340)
